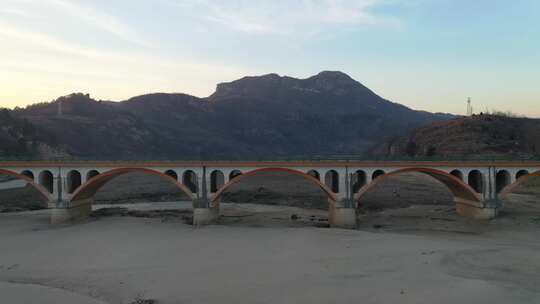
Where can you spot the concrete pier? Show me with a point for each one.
(71, 212)
(205, 216)
(344, 218)
(486, 212)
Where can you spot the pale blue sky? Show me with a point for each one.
(426, 54)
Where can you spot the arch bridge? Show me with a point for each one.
(69, 187)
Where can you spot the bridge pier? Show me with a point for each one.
(344, 218)
(484, 211)
(489, 206)
(68, 212)
(65, 211)
(204, 211)
(342, 214)
(205, 216)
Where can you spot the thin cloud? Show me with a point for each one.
(29, 40)
(100, 20)
(90, 15)
(13, 11)
(45, 41)
(285, 17)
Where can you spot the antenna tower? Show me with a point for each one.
(469, 107)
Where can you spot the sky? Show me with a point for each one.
(426, 54)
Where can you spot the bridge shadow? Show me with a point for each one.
(403, 191)
(18, 192)
(522, 197)
(138, 187)
(412, 202)
(118, 191)
(273, 198)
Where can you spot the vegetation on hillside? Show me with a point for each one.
(21, 138)
(264, 117)
(480, 136)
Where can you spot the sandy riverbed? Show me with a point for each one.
(411, 247)
(121, 259)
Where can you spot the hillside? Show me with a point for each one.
(477, 136)
(19, 137)
(258, 117)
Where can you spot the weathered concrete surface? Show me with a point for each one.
(476, 212)
(74, 212)
(342, 218)
(205, 216)
(481, 173)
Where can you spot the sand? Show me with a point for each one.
(413, 249)
(121, 259)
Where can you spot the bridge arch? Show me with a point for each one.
(92, 186)
(457, 173)
(315, 174)
(234, 174)
(521, 173)
(74, 181)
(172, 174)
(91, 174)
(522, 179)
(217, 180)
(189, 179)
(331, 180)
(502, 180)
(46, 180)
(476, 181)
(359, 180)
(461, 191)
(309, 178)
(45, 193)
(377, 173)
(29, 174)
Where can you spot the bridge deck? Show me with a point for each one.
(321, 163)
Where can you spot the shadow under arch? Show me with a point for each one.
(508, 189)
(42, 191)
(462, 192)
(329, 193)
(90, 188)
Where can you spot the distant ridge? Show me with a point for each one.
(254, 117)
(481, 136)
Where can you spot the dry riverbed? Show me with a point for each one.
(410, 247)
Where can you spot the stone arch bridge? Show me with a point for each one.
(69, 187)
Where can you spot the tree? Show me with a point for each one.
(431, 151)
(411, 148)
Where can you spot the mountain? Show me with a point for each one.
(19, 137)
(269, 116)
(478, 136)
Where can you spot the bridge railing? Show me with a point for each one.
(277, 158)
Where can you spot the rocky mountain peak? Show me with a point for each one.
(250, 85)
(333, 76)
(333, 82)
